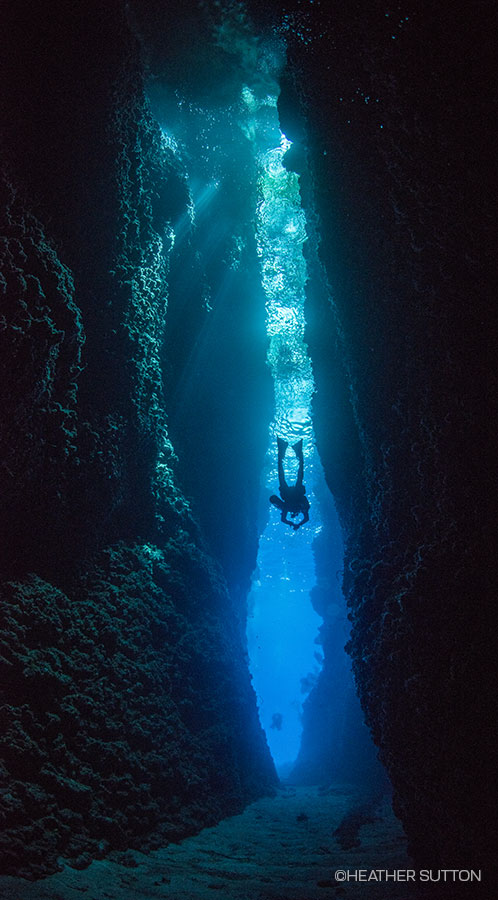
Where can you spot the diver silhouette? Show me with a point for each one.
(293, 496)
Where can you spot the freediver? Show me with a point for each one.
(293, 496)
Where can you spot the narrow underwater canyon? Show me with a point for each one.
(137, 401)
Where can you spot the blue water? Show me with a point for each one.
(283, 628)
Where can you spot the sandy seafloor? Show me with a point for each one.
(280, 848)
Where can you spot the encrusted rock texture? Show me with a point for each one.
(401, 166)
(127, 718)
(219, 388)
(127, 714)
(336, 745)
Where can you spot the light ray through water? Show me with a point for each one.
(282, 631)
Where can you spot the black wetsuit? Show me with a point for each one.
(293, 500)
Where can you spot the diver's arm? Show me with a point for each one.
(284, 519)
(305, 518)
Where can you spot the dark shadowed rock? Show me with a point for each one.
(128, 717)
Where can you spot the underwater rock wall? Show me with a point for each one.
(336, 745)
(219, 389)
(127, 714)
(400, 162)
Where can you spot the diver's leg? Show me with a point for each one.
(298, 450)
(282, 447)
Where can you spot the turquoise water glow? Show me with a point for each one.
(285, 659)
(245, 148)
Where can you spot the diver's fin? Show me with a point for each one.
(282, 445)
(298, 448)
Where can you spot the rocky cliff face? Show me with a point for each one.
(397, 152)
(219, 390)
(127, 712)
